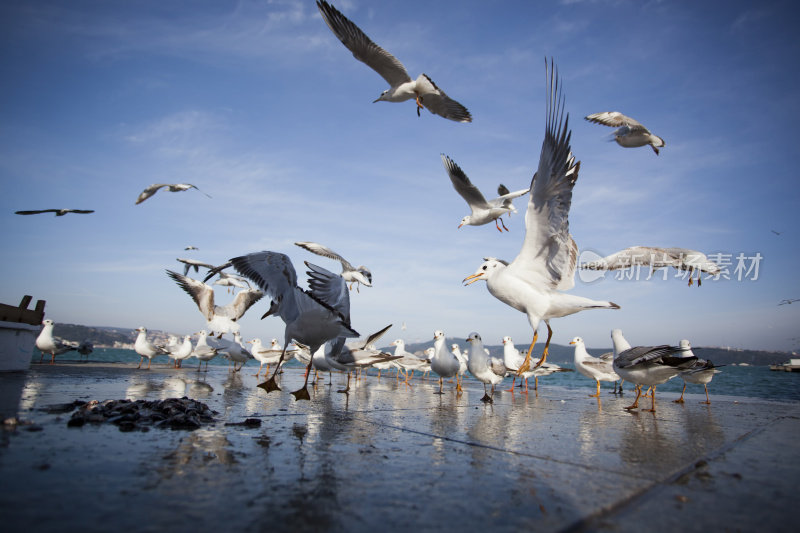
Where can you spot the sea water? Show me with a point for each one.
(732, 381)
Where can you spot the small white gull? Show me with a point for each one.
(699, 373)
(482, 211)
(47, 343)
(484, 368)
(237, 353)
(596, 368)
(171, 187)
(533, 281)
(181, 351)
(202, 350)
(146, 348)
(401, 86)
(363, 354)
(443, 362)
(351, 274)
(513, 360)
(629, 133)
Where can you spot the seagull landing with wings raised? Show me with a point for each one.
(219, 319)
(533, 281)
(312, 317)
(401, 86)
(483, 211)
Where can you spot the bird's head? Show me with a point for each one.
(489, 266)
(474, 338)
(507, 340)
(465, 221)
(576, 340)
(363, 276)
(384, 96)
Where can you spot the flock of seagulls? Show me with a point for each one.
(536, 282)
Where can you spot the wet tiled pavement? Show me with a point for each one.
(391, 457)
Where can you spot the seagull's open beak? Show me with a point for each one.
(472, 279)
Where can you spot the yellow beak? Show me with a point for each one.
(473, 278)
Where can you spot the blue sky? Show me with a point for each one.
(260, 106)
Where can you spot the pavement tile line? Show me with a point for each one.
(593, 521)
(497, 448)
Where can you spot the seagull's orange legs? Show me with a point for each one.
(546, 346)
(526, 364)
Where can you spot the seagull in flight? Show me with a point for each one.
(221, 319)
(171, 187)
(401, 86)
(630, 133)
(533, 281)
(483, 211)
(58, 212)
(655, 258)
(350, 273)
(193, 263)
(312, 317)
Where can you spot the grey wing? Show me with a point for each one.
(463, 186)
(330, 289)
(375, 336)
(615, 119)
(324, 251)
(505, 196)
(363, 49)
(643, 354)
(241, 303)
(633, 256)
(35, 211)
(202, 294)
(439, 103)
(150, 191)
(498, 367)
(548, 249)
(274, 273)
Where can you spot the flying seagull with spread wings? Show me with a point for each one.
(351, 274)
(630, 133)
(58, 212)
(483, 211)
(171, 187)
(533, 281)
(401, 86)
(219, 319)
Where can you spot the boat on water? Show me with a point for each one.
(19, 327)
(792, 365)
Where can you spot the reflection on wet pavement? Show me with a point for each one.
(342, 461)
